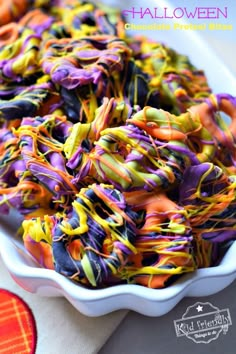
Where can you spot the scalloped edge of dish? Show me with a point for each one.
(97, 302)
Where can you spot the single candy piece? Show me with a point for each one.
(73, 63)
(152, 150)
(18, 188)
(163, 242)
(82, 137)
(128, 158)
(43, 155)
(209, 113)
(196, 142)
(179, 83)
(208, 196)
(96, 239)
(94, 67)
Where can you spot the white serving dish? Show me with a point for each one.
(27, 273)
(151, 302)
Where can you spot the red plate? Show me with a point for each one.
(18, 332)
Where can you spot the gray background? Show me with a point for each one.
(139, 334)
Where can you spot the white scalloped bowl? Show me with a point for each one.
(151, 302)
(91, 302)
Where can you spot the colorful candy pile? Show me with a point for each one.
(113, 148)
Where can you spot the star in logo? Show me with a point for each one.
(199, 308)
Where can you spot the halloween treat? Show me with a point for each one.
(112, 148)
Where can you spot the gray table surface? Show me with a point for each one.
(138, 334)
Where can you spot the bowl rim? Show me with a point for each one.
(20, 269)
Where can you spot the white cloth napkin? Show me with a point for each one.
(61, 328)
